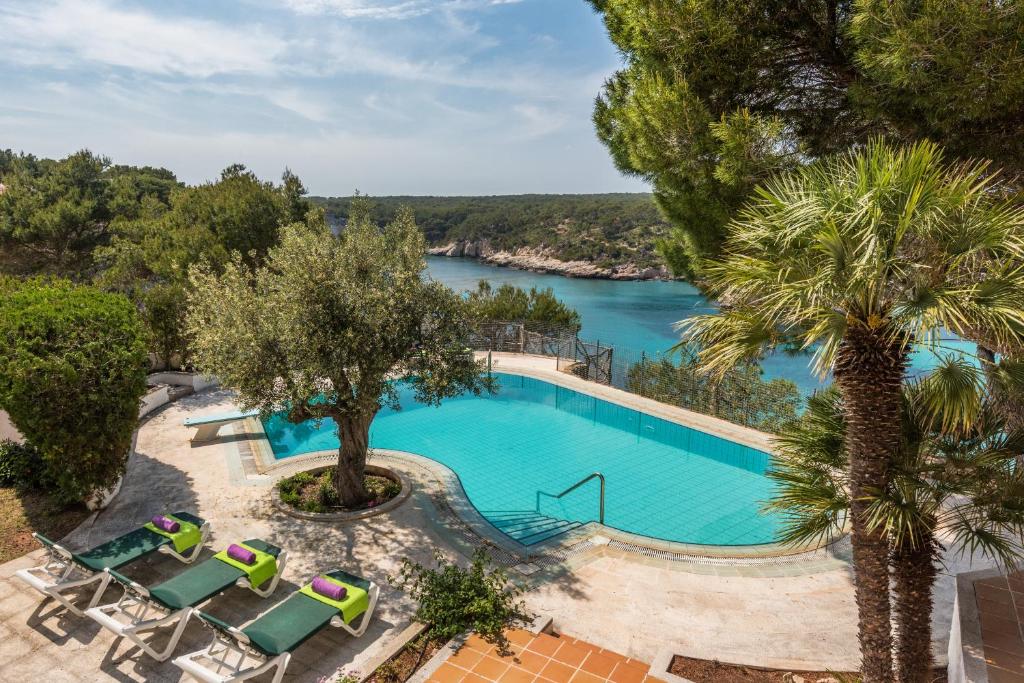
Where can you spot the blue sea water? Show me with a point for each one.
(663, 480)
(639, 316)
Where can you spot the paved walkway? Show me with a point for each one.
(800, 618)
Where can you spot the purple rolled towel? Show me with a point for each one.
(243, 555)
(326, 588)
(166, 523)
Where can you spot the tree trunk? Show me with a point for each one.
(354, 435)
(914, 574)
(869, 372)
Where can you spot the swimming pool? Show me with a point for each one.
(513, 450)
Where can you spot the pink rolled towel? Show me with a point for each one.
(329, 589)
(166, 523)
(243, 555)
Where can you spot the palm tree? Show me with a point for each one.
(955, 471)
(857, 257)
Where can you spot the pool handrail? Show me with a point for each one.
(575, 486)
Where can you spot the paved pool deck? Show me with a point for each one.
(794, 615)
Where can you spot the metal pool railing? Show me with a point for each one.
(581, 482)
(741, 396)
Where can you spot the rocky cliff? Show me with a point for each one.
(541, 259)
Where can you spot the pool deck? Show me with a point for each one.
(794, 615)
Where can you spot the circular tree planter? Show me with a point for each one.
(345, 516)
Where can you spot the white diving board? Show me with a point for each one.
(209, 425)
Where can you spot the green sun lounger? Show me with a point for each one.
(268, 641)
(141, 610)
(66, 571)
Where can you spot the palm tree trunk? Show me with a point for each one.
(354, 435)
(869, 372)
(914, 574)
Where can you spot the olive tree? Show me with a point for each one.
(329, 327)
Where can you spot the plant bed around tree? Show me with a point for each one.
(310, 494)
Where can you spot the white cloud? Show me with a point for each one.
(62, 33)
(364, 9)
(539, 121)
(387, 9)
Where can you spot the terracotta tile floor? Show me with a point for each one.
(542, 658)
(1001, 610)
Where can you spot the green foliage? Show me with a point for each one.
(382, 488)
(717, 95)
(957, 468)
(328, 324)
(876, 239)
(454, 600)
(72, 372)
(740, 395)
(149, 256)
(539, 309)
(606, 229)
(21, 466)
(54, 214)
(162, 307)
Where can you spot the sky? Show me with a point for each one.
(425, 97)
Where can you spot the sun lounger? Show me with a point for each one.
(142, 610)
(237, 654)
(66, 571)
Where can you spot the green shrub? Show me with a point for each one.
(454, 600)
(326, 494)
(21, 466)
(382, 488)
(72, 373)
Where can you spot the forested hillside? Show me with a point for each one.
(604, 229)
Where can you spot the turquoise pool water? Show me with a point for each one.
(663, 480)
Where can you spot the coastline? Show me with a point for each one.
(541, 260)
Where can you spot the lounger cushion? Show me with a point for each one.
(297, 619)
(197, 584)
(289, 624)
(129, 547)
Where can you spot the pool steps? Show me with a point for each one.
(529, 527)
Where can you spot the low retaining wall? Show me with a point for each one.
(157, 397)
(182, 379)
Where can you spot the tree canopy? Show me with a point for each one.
(53, 214)
(538, 309)
(716, 95)
(328, 327)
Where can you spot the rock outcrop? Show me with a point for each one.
(542, 260)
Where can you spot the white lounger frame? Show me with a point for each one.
(135, 613)
(224, 649)
(60, 573)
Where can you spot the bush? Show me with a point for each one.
(21, 466)
(382, 488)
(72, 372)
(454, 600)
